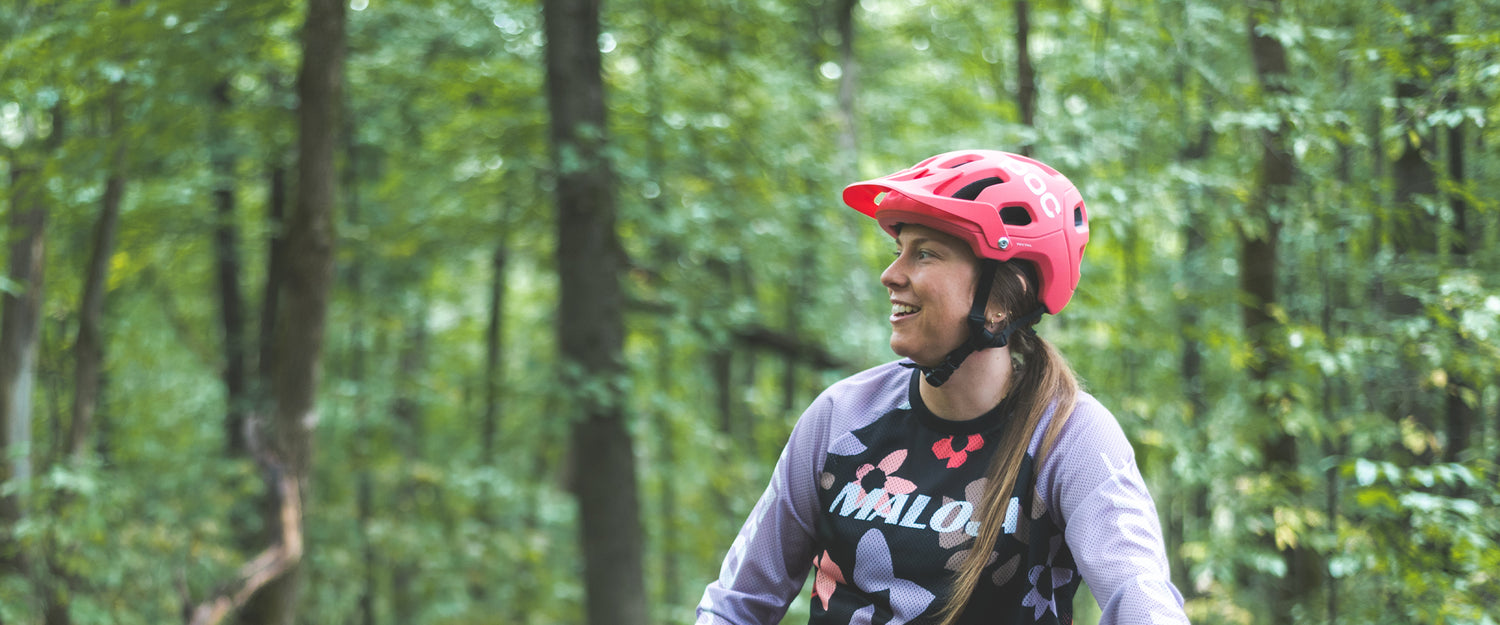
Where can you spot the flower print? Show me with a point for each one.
(829, 577)
(973, 492)
(1044, 579)
(874, 572)
(958, 558)
(847, 445)
(1002, 575)
(1037, 511)
(879, 475)
(1006, 571)
(948, 449)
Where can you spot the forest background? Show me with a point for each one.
(455, 311)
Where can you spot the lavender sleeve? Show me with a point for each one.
(769, 559)
(1109, 520)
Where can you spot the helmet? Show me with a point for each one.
(1005, 206)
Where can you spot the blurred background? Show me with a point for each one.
(1289, 301)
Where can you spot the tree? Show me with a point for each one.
(20, 321)
(299, 331)
(227, 260)
(590, 330)
(1025, 72)
(848, 135)
(89, 347)
(1259, 272)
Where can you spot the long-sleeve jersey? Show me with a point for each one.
(878, 495)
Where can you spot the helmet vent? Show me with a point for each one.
(972, 190)
(960, 161)
(1078, 218)
(1015, 216)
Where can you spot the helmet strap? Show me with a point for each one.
(979, 337)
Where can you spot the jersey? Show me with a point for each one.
(877, 496)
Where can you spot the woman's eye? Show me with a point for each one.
(921, 254)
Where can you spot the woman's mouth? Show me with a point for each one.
(899, 311)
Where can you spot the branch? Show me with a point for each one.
(755, 336)
(788, 345)
(271, 564)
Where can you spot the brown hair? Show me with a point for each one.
(1044, 379)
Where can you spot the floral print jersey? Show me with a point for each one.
(876, 496)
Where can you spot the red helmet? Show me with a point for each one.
(1005, 206)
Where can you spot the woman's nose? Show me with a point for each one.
(893, 276)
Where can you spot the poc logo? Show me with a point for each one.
(1030, 175)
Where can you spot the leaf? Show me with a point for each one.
(1376, 498)
(1365, 472)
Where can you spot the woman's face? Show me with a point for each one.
(931, 283)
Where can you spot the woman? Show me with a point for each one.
(972, 482)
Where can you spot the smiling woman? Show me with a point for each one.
(931, 286)
(972, 481)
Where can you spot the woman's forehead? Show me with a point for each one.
(911, 233)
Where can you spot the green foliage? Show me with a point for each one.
(724, 130)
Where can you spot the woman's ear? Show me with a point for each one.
(994, 321)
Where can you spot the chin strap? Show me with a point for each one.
(979, 337)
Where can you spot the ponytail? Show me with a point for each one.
(1046, 384)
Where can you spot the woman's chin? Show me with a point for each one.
(924, 354)
(924, 360)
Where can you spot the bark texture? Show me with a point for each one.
(275, 270)
(301, 320)
(590, 322)
(89, 347)
(20, 322)
(231, 302)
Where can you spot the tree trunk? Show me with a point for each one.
(1461, 394)
(275, 273)
(1194, 511)
(1466, 236)
(1415, 232)
(88, 352)
(590, 322)
(490, 422)
(721, 363)
(365, 509)
(663, 252)
(668, 511)
(309, 258)
(1190, 519)
(721, 368)
(357, 358)
(1025, 73)
(252, 431)
(410, 434)
(20, 322)
(1337, 296)
(89, 347)
(848, 138)
(1259, 268)
(231, 302)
